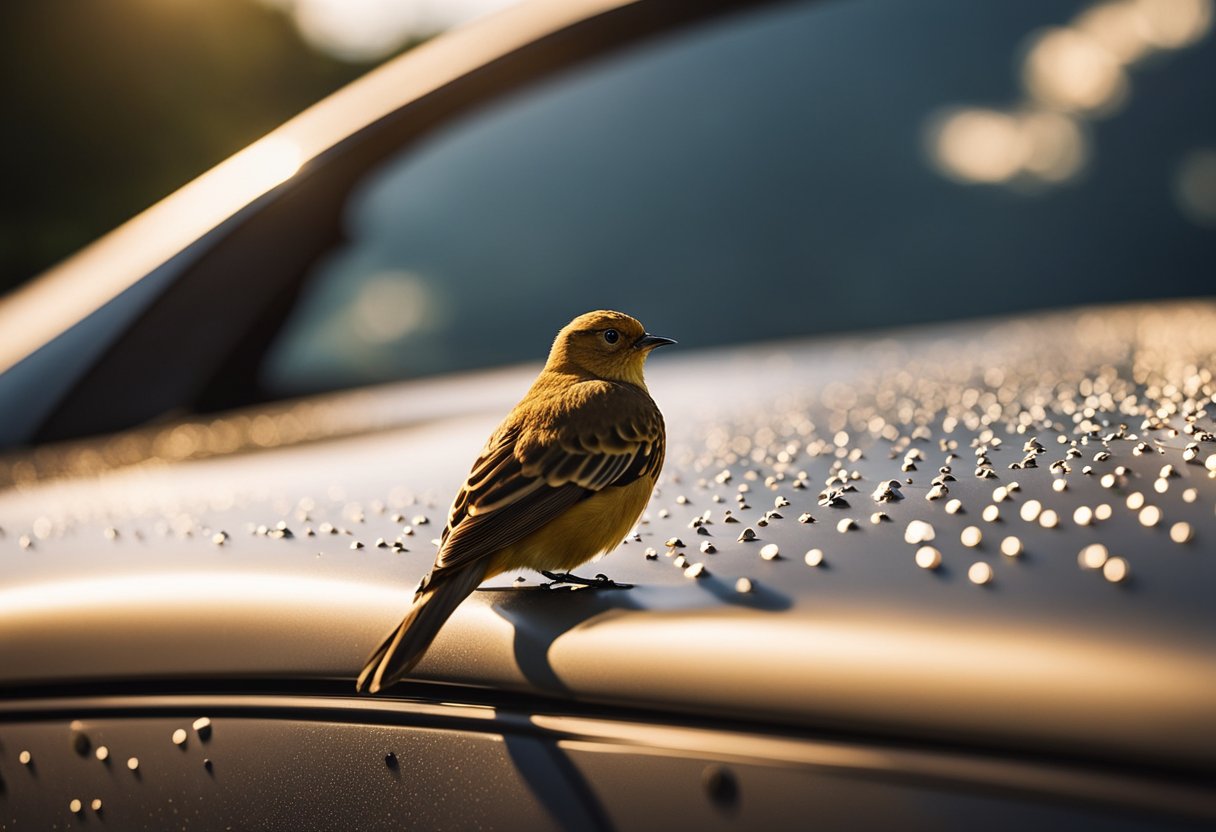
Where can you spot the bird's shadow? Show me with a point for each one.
(540, 615)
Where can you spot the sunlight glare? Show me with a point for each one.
(390, 306)
(1068, 70)
(1057, 148)
(267, 163)
(1174, 24)
(975, 145)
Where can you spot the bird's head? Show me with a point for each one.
(604, 344)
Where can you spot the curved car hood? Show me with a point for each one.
(176, 570)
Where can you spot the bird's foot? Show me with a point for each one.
(600, 581)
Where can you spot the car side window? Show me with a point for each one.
(809, 168)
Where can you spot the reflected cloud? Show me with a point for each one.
(1070, 74)
(1195, 186)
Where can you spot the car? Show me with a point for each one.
(932, 544)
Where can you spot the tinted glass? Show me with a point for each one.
(797, 170)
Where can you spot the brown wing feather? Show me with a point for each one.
(539, 467)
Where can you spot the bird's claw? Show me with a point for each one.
(600, 581)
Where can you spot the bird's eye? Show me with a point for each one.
(611, 336)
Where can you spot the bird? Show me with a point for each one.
(563, 478)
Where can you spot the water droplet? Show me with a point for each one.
(879, 517)
(979, 573)
(813, 557)
(697, 570)
(707, 547)
(991, 513)
(928, 557)
(1059, 485)
(955, 506)
(1011, 546)
(1135, 501)
(805, 518)
(770, 551)
(674, 543)
(179, 737)
(747, 535)
(1092, 556)
(971, 537)
(102, 753)
(1181, 532)
(743, 585)
(1048, 519)
(1116, 570)
(133, 763)
(1030, 510)
(25, 758)
(1083, 515)
(1102, 512)
(74, 805)
(96, 804)
(846, 525)
(918, 531)
(355, 544)
(390, 760)
(650, 553)
(1150, 516)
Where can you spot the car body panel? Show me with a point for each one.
(292, 762)
(1049, 657)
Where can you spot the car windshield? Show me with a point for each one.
(794, 170)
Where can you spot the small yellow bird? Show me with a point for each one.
(562, 479)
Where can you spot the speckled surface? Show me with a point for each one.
(229, 548)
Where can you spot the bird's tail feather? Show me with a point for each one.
(403, 647)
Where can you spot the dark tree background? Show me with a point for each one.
(110, 105)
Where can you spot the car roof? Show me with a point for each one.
(177, 569)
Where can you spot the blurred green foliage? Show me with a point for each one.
(110, 105)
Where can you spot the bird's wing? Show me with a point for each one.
(533, 470)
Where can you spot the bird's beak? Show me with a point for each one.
(649, 342)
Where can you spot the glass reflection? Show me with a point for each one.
(1069, 73)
